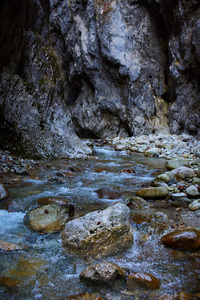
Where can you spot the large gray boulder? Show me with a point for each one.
(99, 233)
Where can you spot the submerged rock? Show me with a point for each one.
(4, 193)
(99, 233)
(186, 239)
(144, 280)
(152, 192)
(105, 273)
(47, 219)
(7, 246)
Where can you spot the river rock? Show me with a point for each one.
(47, 219)
(144, 280)
(152, 192)
(184, 172)
(176, 163)
(108, 193)
(165, 177)
(195, 205)
(99, 233)
(4, 193)
(192, 191)
(105, 273)
(153, 151)
(186, 239)
(137, 203)
(7, 246)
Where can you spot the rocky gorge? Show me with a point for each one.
(97, 69)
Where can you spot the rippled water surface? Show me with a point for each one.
(44, 271)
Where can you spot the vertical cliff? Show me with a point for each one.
(100, 68)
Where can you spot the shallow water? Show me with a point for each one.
(44, 271)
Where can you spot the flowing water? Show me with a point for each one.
(44, 271)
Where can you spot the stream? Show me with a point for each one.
(44, 271)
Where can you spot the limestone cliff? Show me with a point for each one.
(98, 68)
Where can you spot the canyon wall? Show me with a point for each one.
(96, 68)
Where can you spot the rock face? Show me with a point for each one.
(188, 239)
(47, 219)
(99, 233)
(102, 68)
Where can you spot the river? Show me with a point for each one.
(44, 271)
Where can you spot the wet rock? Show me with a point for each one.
(128, 171)
(183, 296)
(192, 191)
(137, 203)
(195, 205)
(99, 233)
(4, 193)
(186, 239)
(47, 219)
(144, 280)
(165, 177)
(108, 193)
(7, 246)
(152, 192)
(105, 273)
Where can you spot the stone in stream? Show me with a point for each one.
(192, 191)
(153, 192)
(47, 219)
(184, 172)
(7, 246)
(186, 239)
(145, 280)
(48, 200)
(4, 193)
(99, 233)
(176, 163)
(105, 273)
(108, 193)
(195, 205)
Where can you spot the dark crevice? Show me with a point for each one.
(82, 132)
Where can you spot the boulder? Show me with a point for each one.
(105, 273)
(99, 233)
(47, 219)
(4, 193)
(195, 205)
(144, 280)
(49, 200)
(186, 239)
(152, 192)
